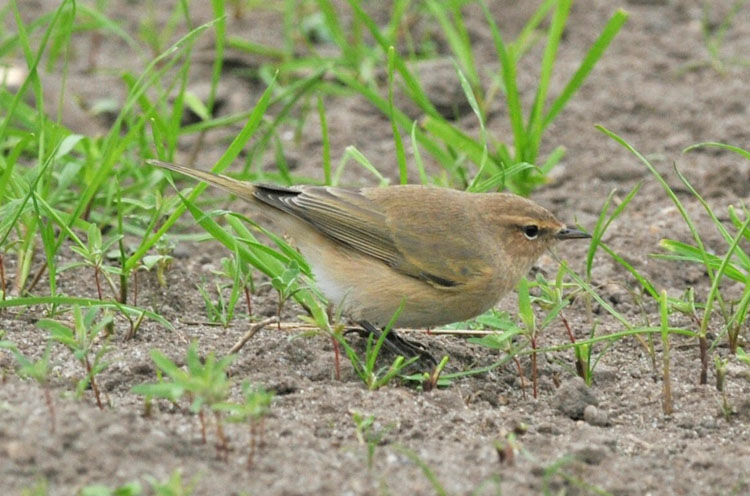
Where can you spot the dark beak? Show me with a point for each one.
(566, 233)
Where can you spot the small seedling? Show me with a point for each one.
(667, 406)
(502, 339)
(161, 261)
(129, 489)
(81, 341)
(174, 486)
(38, 370)
(506, 449)
(432, 380)
(286, 285)
(426, 470)
(221, 311)
(734, 264)
(94, 256)
(364, 426)
(242, 279)
(39, 488)
(366, 368)
(204, 381)
(714, 34)
(254, 408)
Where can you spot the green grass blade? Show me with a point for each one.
(535, 126)
(508, 72)
(603, 223)
(398, 141)
(723, 146)
(596, 51)
(229, 155)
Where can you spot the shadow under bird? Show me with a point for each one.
(446, 255)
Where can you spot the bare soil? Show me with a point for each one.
(653, 86)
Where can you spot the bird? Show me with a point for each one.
(437, 255)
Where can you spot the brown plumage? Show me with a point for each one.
(448, 255)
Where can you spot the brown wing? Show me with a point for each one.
(346, 216)
(438, 252)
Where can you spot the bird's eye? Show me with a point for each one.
(531, 231)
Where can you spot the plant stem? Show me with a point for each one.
(202, 419)
(98, 282)
(534, 375)
(94, 387)
(703, 347)
(50, 407)
(222, 447)
(2, 278)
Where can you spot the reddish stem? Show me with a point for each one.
(202, 418)
(567, 328)
(94, 387)
(51, 408)
(98, 283)
(336, 358)
(534, 375)
(222, 447)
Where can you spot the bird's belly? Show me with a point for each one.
(369, 290)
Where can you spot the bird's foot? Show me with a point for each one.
(396, 344)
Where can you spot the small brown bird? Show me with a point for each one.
(447, 255)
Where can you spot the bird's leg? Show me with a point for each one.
(398, 345)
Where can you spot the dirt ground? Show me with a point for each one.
(652, 87)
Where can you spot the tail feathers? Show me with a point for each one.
(242, 189)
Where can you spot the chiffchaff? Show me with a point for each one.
(446, 255)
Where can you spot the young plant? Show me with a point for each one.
(667, 406)
(220, 311)
(373, 377)
(286, 285)
(364, 429)
(242, 279)
(253, 410)
(94, 255)
(37, 370)
(734, 264)
(128, 489)
(450, 146)
(504, 330)
(205, 382)
(81, 340)
(552, 299)
(161, 261)
(431, 380)
(714, 34)
(529, 328)
(174, 486)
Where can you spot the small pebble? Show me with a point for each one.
(595, 416)
(572, 397)
(19, 452)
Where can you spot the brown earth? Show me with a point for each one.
(653, 86)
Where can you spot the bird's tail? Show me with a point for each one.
(242, 189)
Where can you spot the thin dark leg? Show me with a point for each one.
(398, 345)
